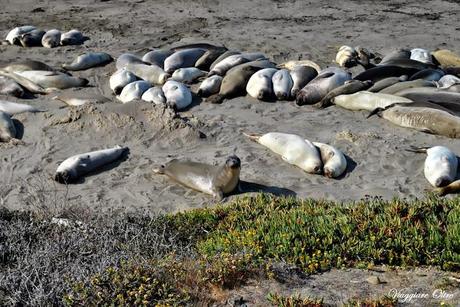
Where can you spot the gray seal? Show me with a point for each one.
(384, 83)
(182, 59)
(349, 87)
(32, 38)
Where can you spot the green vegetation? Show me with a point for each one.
(188, 257)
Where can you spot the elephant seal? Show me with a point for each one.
(428, 74)
(447, 81)
(205, 61)
(10, 87)
(210, 86)
(214, 180)
(150, 73)
(120, 79)
(7, 128)
(282, 84)
(407, 63)
(292, 148)
(235, 81)
(378, 73)
(12, 108)
(290, 65)
(260, 84)
(73, 37)
(51, 39)
(27, 65)
(334, 161)
(73, 168)
(421, 55)
(329, 79)
(451, 188)
(223, 56)
(428, 120)
(397, 87)
(187, 75)
(177, 95)
(349, 87)
(32, 38)
(234, 60)
(127, 58)
(446, 99)
(400, 54)
(446, 58)
(13, 36)
(53, 79)
(25, 83)
(79, 98)
(157, 57)
(346, 56)
(440, 166)
(133, 90)
(89, 60)
(301, 75)
(155, 95)
(384, 83)
(182, 58)
(368, 101)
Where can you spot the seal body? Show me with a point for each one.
(89, 60)
(293, 149)
(210, 86)
(400, 54)
(385, 71)
(24, 82)
(177, 95)
(32, 38)
(260, 84)
(153, 74)
(447, 81)
(440, 166)
(182, 58)
(453, 187)
(349, 87)
(10, 87)
(7, 128)
(368, 101)
(157, 57)
(13, 36)
(205, 61)
(12, 108)
(282, 84)
(346, 56)
(133, 90)
(300, 76)
(234, 60)
(120, 79)
(326, 81)
(51, 39)
(27, 65)
(290, 65)
(79, 165)
(384, 83)
(73, 37)
(400, 86)
(209, 179)
(421, 55)
(223, 56)
(80, 98)
(428, 74)
(127, 58)
(446, 58)
(334, 162)
(53, 79)
(187, 75)
(155, 95)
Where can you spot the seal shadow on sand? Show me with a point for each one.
(351, 165)
(19, 128)
(252, 187)
(104, 168)
(196, 101)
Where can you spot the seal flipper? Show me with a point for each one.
(379, 111)
(252, 136)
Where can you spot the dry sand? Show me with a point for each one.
(284, 30)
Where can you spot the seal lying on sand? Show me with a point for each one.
(260, 85)
(349, 87)
(76, 166)
(334, 162)
(51, 39)
(53, 79)
(364, 100)
(10, 87)
(12, 108)
(89, 60)
(209, 179)
(292, 148)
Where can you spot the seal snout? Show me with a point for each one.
(442, 181)
(328, 173)
(233, 162)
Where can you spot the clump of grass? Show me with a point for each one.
(294, 301)
(372, 302)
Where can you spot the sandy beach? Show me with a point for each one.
(283, 30)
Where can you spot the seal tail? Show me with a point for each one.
(252, 136)
(160, 170)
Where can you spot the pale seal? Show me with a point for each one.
(89, 60)
(282, 84)
(368, 101)
(301, 75)
(214, 180)
(334, 161)
(133, 90)
(51, 39)
(290, 65)
(223, 56)
(260, 84)
(447, 81)
(73, 168)
(73, 37)
(187, 75)
(346, 56)
(151, 73)
(349, 87)
(182, 58)
(10, 87)
(79, 98)
(293, 149)
(53, 79)
(120, 79)
(155, 95)
(234, 60)
(440, 165)
(177, 95)
(421, 55)
(12, 108)
(157, 57)
(13, 36)
(210, 86)
(326, 81)
(25, 83)
(127, 58)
